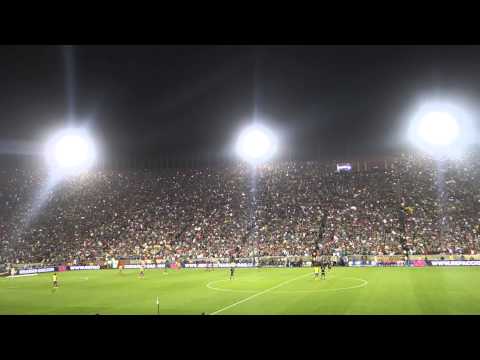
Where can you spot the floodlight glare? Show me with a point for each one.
(255, 144)
(70, 151)
(442, 129)
(439, 128)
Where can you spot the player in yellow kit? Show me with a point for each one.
(55, 281)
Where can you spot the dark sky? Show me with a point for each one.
(183, 100)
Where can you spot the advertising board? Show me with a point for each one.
(455, 263)
(86, 267)
(36, 271)
(362, 263)
(147, 266)
(220, 265)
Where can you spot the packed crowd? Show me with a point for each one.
(290, 208)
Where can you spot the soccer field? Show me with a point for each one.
(453, 290)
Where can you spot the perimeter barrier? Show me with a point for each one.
(263, 262)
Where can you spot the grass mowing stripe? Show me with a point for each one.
(259, 293)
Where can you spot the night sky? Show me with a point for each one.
(151, 101)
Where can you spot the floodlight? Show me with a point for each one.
(70, 151)
(441, 129)
(255, 144)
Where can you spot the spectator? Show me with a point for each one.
(295, 208)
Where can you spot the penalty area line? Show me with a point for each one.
(259, 293)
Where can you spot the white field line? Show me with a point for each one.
(260, 293)
(24, 275)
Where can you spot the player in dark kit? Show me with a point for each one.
(323, 271)
(232, 272)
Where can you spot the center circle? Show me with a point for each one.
(349, 284)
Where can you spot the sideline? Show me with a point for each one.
(23, 275)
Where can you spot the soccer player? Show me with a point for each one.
(323, 272)
(317, 270)
(232, 272)
(12, 272)
(167, 265)
(142, 271)
(120, 268)
(55, 280)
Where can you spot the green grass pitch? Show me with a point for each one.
(253, 291)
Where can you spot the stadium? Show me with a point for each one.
(259, 231)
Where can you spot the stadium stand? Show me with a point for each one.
(294, 208)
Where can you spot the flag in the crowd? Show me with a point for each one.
(409, 210)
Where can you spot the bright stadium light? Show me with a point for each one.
(70, 152)
(256, 144)
(441, 129)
